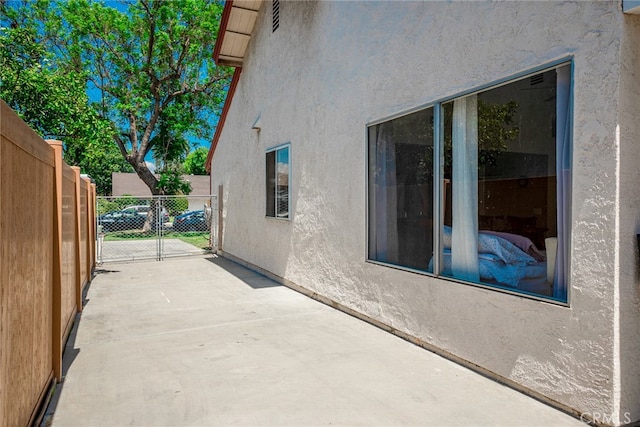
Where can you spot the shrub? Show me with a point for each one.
(177, 205)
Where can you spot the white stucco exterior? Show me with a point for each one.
(333, 67)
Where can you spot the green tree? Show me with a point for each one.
(194, 163)
(51, 97)
(171, 182)
(152, 66)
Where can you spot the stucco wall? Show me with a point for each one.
(331, 68)
(628, 298)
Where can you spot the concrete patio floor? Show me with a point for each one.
(205, 342)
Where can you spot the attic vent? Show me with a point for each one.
(537, 79)
(276, 14)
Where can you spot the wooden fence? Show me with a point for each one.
(47, 253)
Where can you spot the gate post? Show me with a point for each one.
(220, 206)
(91, 215)
(159, 203)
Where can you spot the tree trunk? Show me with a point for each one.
(146, 176)
(151, 181)
(155, 217)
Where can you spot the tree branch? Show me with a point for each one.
(150, 46)
(120, 144)
(146, 137)
(133, 134)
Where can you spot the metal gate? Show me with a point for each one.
(135, 228)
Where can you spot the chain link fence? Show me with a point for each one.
(136, 228)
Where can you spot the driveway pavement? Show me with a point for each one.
(204, 342)
(136, 250)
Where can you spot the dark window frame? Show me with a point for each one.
(278, 194)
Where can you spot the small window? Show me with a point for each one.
(277, 179)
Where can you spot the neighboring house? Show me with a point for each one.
(464, 174)
(130, 184)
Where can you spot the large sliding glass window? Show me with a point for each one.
(503, 193)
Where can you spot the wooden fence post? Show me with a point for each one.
(78, 239)
(56, 356)
(90, 208)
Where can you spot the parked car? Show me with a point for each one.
(143, 210)
(140, 209)
(121, 220)
(191, 221)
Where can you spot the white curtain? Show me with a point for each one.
(384, 234)
(464, 236)
(563, 178)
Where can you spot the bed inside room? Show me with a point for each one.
(507, 260)
(516, 224)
